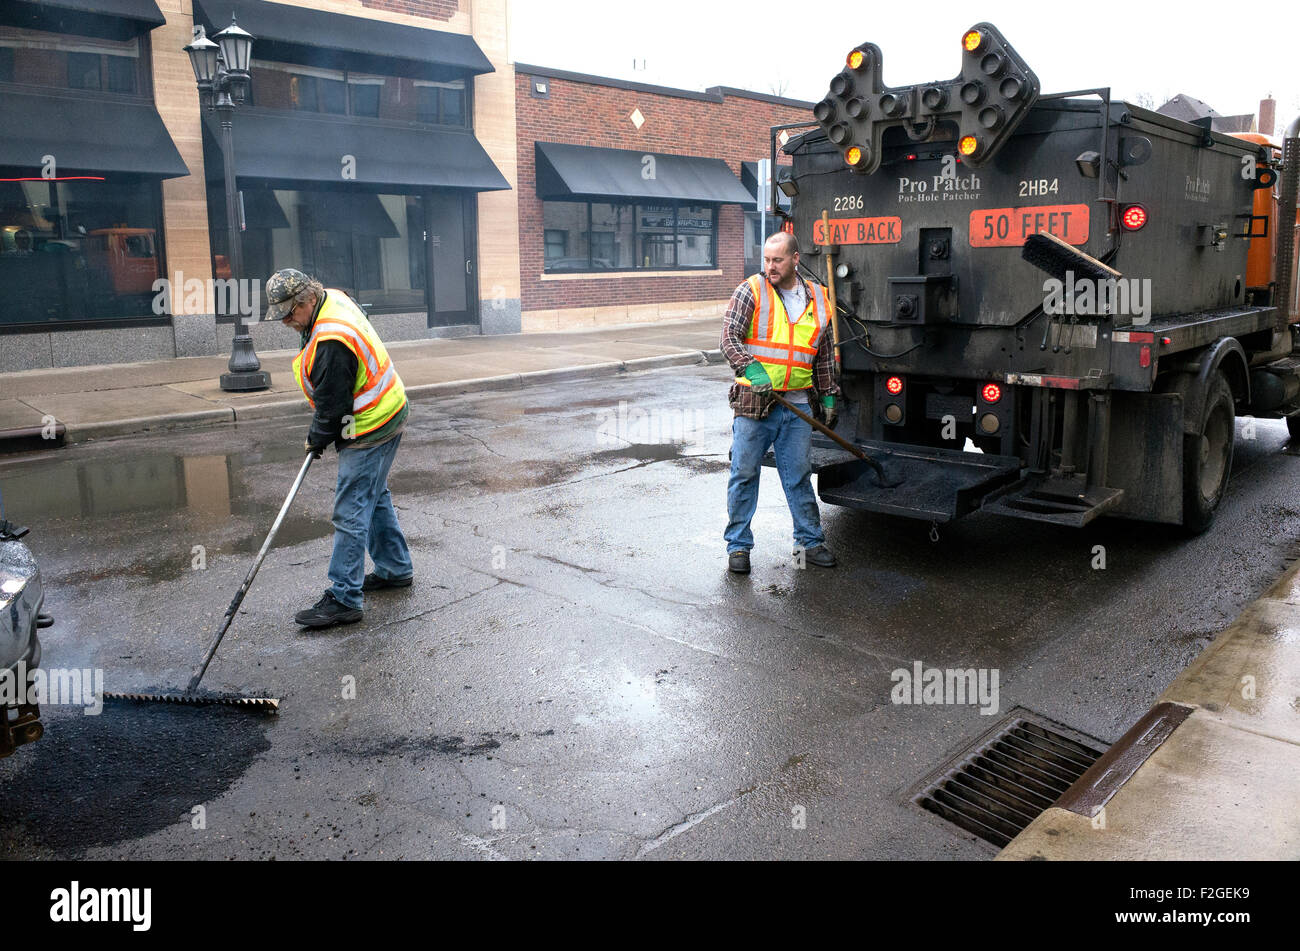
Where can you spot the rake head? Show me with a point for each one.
(268, 706)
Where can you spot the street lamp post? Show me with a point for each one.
(221, 71)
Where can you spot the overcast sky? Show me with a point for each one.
(1219, 52)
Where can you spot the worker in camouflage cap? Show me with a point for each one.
(360, 408)
(283, 286)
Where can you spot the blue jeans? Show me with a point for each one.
(792, 439)
(364, 518)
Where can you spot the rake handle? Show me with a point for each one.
(202, 668)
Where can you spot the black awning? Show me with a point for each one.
(86, 135)
(145, 11)
(290, 147)
(579, 171)
(749, 176)
(279, 23)
(117, 19)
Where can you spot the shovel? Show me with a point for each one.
(840, 441)
(191, 697)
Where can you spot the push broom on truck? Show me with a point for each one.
(1087, 290)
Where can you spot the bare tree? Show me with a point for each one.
(778, 87)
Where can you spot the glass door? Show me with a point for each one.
(452, 264)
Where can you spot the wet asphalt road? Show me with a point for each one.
(574, 674)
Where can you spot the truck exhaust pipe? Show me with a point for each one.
(1286, 223)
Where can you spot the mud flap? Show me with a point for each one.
(937, 485)
(1146, 456)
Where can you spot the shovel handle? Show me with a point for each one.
(830, 288)
(839, 440)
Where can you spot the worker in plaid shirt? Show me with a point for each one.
(776, 336)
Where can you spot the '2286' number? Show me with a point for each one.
(848, 203)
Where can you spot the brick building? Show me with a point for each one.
(604, 166)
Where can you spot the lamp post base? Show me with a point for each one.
(245, 381)
(246, 371)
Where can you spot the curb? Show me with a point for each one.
(284, 408)
(81, 432)
(272, 410)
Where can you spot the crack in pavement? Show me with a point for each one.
(420, 614)
(462, 432)
(689, 823)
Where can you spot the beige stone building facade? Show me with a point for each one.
(377, 149)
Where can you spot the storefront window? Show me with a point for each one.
(566, 230)
(602, 236)
(68, 61)
(754, 238)
(81, 250)
(612, 236)
(365, 95)
(342, 92)
(369, 245)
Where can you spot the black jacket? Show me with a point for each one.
(333, 374)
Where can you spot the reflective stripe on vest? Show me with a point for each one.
(785, 350)
(377, 391)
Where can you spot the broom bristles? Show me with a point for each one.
(1049, 253)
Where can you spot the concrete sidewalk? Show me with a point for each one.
(101, 401)
(1211, 771)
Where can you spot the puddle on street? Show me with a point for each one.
(118, 497)
(207, 487)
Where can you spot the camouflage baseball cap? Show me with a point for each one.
(281, 288)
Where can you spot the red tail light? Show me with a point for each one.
(991, 392)
(1133, 218)
(894, 385)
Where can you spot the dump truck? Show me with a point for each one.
(1049, 306)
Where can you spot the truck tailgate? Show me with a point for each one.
(937, 485)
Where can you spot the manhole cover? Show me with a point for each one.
(1001, 782)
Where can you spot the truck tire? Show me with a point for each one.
(1207, 456)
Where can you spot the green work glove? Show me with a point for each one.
(830, 410)
(758, 378)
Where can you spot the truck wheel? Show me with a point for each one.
(1207, 457)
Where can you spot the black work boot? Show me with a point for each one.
(326, 612)
(738, 561)
(375, 582)
(820, 556)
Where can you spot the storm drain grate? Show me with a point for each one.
(998, 786)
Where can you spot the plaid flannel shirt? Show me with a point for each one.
(735, 330)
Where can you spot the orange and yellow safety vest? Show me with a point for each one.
(786, 350)
(377, 392)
